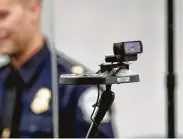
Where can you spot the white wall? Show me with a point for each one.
(86, 30)
(179, 64)
(47, 18)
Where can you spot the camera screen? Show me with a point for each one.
(132, 47)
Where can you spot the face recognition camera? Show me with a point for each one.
(115, 70)
(127, 48)
(125, 51)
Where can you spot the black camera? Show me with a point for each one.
(127, 48)
(125, 51)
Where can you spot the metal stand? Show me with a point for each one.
(170, 67)
(105, 103)
(117, 72)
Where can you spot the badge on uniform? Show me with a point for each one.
(41, 101)
(5, 133)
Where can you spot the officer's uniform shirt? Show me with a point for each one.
(34, 110)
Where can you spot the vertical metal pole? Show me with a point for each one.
(55, 103)
(49, 5)
(170, 67)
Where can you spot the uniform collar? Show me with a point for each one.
(28, 70)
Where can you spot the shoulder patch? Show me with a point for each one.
(70, 65)
(77, 69)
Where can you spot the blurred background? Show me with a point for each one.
(86, 31)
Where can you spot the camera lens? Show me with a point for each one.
(132, 48)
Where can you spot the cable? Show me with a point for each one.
(95, 106)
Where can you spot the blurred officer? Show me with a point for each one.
(25, 82)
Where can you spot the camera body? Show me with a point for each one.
(128, 48)
(125, 51)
